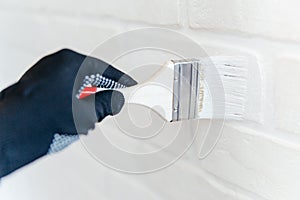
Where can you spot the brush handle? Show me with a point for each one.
(156, 93)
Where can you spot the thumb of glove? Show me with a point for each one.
(108, 102)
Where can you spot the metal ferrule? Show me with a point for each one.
(187, 89)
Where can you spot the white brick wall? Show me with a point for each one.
(287, 106)
(256, 162)
(164, 12)
(258, 158)
(274, 19)
(29, 36)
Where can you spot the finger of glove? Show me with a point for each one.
(108, 102)
(93, 66)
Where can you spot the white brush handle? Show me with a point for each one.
(156, 93)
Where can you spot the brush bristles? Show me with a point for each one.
(225, 87)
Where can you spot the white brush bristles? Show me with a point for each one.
(225, 87)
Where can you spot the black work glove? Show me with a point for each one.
(36, 113)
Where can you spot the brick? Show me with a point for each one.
(262, 165)
(161, 12)
(266, 18)
(287, 96)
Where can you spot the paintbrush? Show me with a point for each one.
(205, 88)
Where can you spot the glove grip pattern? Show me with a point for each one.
(61, 141)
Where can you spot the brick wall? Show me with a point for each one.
(258, 158)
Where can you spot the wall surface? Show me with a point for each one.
(258, 158)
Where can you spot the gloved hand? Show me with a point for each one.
(36, 113)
